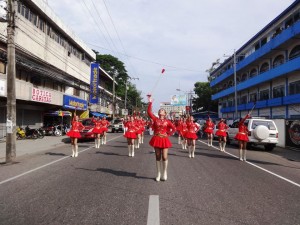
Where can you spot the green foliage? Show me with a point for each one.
(204, 92)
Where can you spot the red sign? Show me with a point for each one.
(187, 108)
(38, 95)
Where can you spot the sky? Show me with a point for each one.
(183, 37)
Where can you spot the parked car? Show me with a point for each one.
(87, 133)
(116, 125)
(261, 132)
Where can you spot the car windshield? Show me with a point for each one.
(269, 124)
(87, 123)
(117, 121)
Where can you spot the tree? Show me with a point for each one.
(204, 92)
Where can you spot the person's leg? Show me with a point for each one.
(165, 164)
(220, 143)
(189, 142)
(73, 147)
(158, 153)
(224, 143)
(76, 147)
(244, 150)
(193, 148)
(240, 150)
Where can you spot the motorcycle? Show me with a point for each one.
(20, 133)
(31, 133)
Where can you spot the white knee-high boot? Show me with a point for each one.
(240, 154)
(96, 143)
(158, 169)
(99, 141)
(104, 140)
(73, 150)
(224, 144)
(189, 150)
(179, 140)
(129, 150)
(211, 141)
(193, 151)
(132, 150)
(76, 150)
(208, 142)
(142, 139)
(182, 144)
(221, 146)
(244, 154)
(165, 168)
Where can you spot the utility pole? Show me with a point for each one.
(11, 84)
(114, 95)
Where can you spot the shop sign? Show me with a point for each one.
(39, 95)
(74, 103)
(94, 82)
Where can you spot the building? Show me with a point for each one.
(266, 69)
(173, 110)
(52, 67)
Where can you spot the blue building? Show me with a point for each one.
(264, 71)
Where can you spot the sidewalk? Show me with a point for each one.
(31, 146)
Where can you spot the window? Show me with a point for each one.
(278, 61)
(264, 67)
(41, 24)
(243, 99)
(257, 46)
(253, 97)
(263, 41)
(253, 73)
(76, 92)
(294, 88)
(269, 124)
(278, 91)
(2, 67)
(230, 103)
(264, 95)
(244, 77)
(295, 52)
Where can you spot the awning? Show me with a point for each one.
(97, 114)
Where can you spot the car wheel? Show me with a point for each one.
(269, 147)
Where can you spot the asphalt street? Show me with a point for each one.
(105, 186)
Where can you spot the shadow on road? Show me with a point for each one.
(53, 153)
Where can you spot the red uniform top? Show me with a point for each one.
(192, 129)
(209, 127)
(76, 127)
(183, 128)
(105, 124)
(98, 129)
(242, 135)
(163, 128)
(222, 128)
(131, 129)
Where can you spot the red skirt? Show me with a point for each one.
(131, 135)
(97, 130)
(160, 142)
(190, 135)
(221, 133)
(182, 133)
(74, 134)
(209, 130)
(241, 137)
(104, 129)
(139, 132)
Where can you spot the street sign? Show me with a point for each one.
(124, 112)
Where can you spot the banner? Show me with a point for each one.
(178, 100)
(70, 102)
(94, 82)
(39, 95)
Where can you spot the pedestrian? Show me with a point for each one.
(183, 130)
(163, 128)
(74, 134)
(178, 125)
(242, 137)
(222, 134)
(105, 124)
(209, 130)
(97, 131)
(191, 135)
(130, 134)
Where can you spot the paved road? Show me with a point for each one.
(105, 186)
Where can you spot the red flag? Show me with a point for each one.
(163, 70)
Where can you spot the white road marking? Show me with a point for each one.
(252, 164)
(48, 164)
(153, 210)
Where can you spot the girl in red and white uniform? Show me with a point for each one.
(74, 134)
(222, 134)
(209, 130)
(183, 130)
(191, 135)
(138, 131)
(242, 137)
(163, 128)
(178, 125)
(130, 134)
(105, 124)
(97, 131)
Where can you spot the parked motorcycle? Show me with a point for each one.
(20, 133)
(31, 133)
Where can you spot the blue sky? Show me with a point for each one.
(184, 37)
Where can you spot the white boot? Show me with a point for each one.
(208, 142)
(76, 150)
(189, 150)
(142, 139)
(158, 168)
(96, 143)
(132, 150)
(129, 150)
(99, 141)
(193, 151)
(165, 167)
(185, 145)
(240, 154)
(224, 144)
(244, 154)
(73, 151)
(211, 141)
(182, 144)
(104, 140)
(179, 140)
(221, 146)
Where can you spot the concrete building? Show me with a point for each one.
(173, 110)
(52, 67)
(266, 70)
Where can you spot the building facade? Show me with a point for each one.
(52, 67)
(263, 72)
(173, 110)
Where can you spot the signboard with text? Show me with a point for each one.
(74, 103)
(39, 95)
(94, 83)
